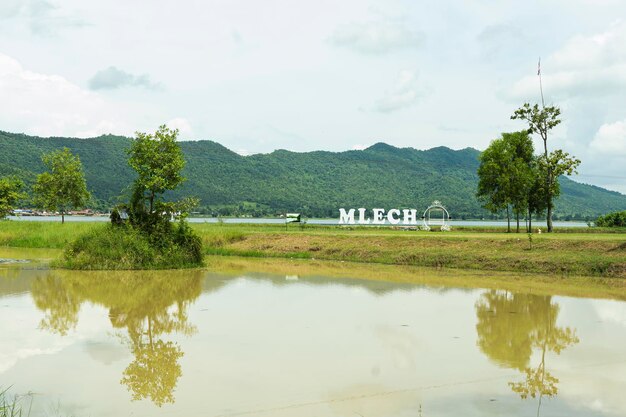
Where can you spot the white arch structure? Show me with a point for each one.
(443, 221)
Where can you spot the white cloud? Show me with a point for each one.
(586, 66)
(50, 105)
(610, 139)
(183, 126)
(377, 37)
(404, 94)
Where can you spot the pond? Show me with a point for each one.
(279, 338)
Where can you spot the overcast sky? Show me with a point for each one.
(306, 75)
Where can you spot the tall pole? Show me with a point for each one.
(545, 147)
(543, 104)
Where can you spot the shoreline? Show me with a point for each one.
(388, 276)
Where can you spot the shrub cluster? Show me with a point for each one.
(138, 238)
(617, 219)
(128, 247)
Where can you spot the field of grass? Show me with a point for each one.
(584, 252)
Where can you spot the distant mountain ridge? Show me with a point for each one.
(316, 183)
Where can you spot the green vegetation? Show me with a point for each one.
(586, 252)
(313, 183)
(141, 235)
(10, 194)
(587, 255)
(509, 178)
(43, 234)
(113, 247)
(12, 406)
(552, 165)
(63, 186)
(158, 161)
(617, 219)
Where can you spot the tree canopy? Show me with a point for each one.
(10, 194)
(158, 161)
(541, 120)
(63, 186)
(507, 175)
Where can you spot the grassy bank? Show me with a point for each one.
(585, 254)
(571, 253)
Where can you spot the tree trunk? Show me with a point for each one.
(549, 220)
(151, 201)
(549, 182)
(530, 221)
(517, 218)
(62, 217)
(508, 220)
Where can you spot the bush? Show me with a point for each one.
(617, 219)
(128, 247)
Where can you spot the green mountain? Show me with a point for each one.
(315, 183)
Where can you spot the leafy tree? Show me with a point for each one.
(158, 160)
(10, 194)
(617, 219)
(493, 182)
(506, 174)
(541, 120)
(63, 187)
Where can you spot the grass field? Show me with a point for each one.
(586, 252)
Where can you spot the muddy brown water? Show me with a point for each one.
(241, 342)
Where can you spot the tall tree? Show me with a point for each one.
(541, 120)
(492, 179)
(506, 174)
(10, 194)
(158, 160)
(520, 169)
(63, 186)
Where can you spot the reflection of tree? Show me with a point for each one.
(510, 326)
(148, 304)
(60, 305)
(154, 372)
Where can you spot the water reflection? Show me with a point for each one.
(510, 326)
(149, 305)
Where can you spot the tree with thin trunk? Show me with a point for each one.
(158, 160)
(506, 174)
(62, 187)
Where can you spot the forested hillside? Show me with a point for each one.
(315, 183)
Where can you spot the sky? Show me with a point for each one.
(320, 75)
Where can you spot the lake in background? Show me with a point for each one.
(237, 340)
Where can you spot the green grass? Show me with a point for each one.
(115, 247)
(34, 234)
(586, 252)
(572, 253)
(13, 406)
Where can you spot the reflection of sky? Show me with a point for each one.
(302, 349)
(601, 354)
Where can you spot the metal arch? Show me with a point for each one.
(445, 219)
